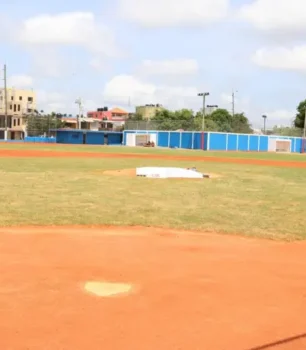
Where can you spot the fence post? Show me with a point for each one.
(249, 143)
(226, 147)
(180, 139)
(237, 142)
(192, 140)
(294, 145)
(208, 141)
(258, 146)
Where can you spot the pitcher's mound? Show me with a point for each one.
(121, 172)
(107, 289)
(132, 172)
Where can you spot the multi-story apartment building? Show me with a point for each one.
(20, 103)
(148, 111)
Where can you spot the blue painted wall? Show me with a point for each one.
(94, 138)
(232, 142)
(187, 140)
(115, 138)
(162, 139)
(217, 142)
(69, 137)
(91, 137)
(214, 141)
(175, 139)
(40, 139)
(243, 143)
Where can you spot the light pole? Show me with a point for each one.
(233, 102)
(203, 95)
(264, 118)
(79, 103)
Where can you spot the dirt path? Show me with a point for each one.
(57, 154)
(192, 292)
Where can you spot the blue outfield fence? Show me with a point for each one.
(215, 141)
(30, 139)
(88, 137)
(40, 139)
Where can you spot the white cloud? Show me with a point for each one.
(20, 81)
(281, 58)
(169, 13)
(80, 29)
(127, 89)
(169, 67)
(279, 16)
(98, 64)
(50, 63)
(51, 101)
(226, 98)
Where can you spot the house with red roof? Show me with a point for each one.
(110, 119)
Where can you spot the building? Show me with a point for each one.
(85, 123)
(19, 104)
(148, 111)
(110, 119)
(210, 109)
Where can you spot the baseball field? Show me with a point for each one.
(212, 264)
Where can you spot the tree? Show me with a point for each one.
(169, 120)
(220, 121)
(300, 115)
(286, 131)
(41, 125)
(136, 117)
(240, 124)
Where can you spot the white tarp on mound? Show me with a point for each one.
(162, 172)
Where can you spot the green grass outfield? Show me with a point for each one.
(248, 200)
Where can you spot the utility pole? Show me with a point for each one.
(203, 94)
(233, 102)
(265, 119)
(79, 103)
(5, 101)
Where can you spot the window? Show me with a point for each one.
(18, 108)
(30, 99)
(14, 122)
(11, 106)
(12, 98)
(15, 108)
(29, 110)
(18, 121)
(20, 98)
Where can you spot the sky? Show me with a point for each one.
(129, 52)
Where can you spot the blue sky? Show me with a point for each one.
(129, 52)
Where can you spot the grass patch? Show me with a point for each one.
(250, 200)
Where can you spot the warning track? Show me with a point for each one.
(64, 154)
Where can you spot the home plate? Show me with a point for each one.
(107, 289)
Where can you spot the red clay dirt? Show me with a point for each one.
(60, 154)
(193, 291)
